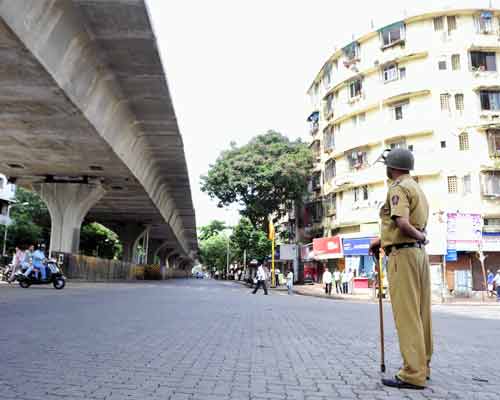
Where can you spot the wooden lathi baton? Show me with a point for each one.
(378, 261)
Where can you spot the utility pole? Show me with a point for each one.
(482, 257)
(227, 260)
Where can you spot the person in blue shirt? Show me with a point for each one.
(490, 279)
(37, 258)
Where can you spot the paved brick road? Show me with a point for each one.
(208, 340)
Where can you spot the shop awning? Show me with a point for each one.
(314, 117)
(390, 27)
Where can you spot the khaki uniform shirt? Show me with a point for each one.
(406, 199)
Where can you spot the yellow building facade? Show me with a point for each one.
(429, 83)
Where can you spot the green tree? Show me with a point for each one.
(254, 241)
(213, 251)
(260, 176)
(97, 240)
(213, 228)
(31, 221)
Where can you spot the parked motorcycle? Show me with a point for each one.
(54, 276)
(5, 272)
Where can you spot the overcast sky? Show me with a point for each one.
(237, 68)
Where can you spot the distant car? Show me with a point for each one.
(199, 275)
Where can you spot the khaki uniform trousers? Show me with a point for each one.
(410, 290)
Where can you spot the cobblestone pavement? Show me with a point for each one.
(211, 340)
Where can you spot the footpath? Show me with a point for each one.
(318, 290)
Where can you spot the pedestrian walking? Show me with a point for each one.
(276, 276)
(345, 282)
(490, 280)
(289, 282)
(261, 279)
(496, 281)
(17, 262)
(336, 277)
(327, 280)
(404, 217)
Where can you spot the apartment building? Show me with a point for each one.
(429, 83)
(7, 193)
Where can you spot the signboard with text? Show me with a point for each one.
(356, 246)
(326, 248)
(465, 230)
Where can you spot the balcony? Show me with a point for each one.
(313, 129)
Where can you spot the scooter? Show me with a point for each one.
(54, 276)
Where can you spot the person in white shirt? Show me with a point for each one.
(345, 282)
(327, 280)
(261, 279)
(336, 277)
(289, 282)
(496, 280)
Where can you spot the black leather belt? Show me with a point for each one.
(389, 249)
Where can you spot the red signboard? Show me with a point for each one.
(327, 246)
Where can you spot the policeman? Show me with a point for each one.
(404, 218)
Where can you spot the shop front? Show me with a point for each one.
(327, 253)
(357, 259)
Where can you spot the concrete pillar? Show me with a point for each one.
(129, 234)
(68, 203)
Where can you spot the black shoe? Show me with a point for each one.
(399, 384)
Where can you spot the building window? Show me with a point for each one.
(360, 193)
(490, 100)
(466, 184)
(361, 118)
(483, 60)
(351, 53)
(328, 111)
(484, 22)
(315, 147)
(402, 73)
(443, 144)
(455, 62)
(390, 73)
(494, 143)
(401, 144)
(445, 101)
(463, 141)
(330, 204)
(490, 182)
(327, 75)
(392, 34)
(328, 138)
(330, 170)
(438, 24)
(459, 102)
(355, 88)
(399, 110)
(442, 65)
(452, 184)
(452, 23)
(357, 160)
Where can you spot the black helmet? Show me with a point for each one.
(398, 158)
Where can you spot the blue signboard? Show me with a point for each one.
(451, 255)
(356, 246)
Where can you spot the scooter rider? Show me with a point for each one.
(38, 257)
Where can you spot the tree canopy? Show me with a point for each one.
(254, 241)
(213, 228)
(261, 176)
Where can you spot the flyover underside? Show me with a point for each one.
(84, 98)
(44, 135)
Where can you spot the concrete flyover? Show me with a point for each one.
(87, 121)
